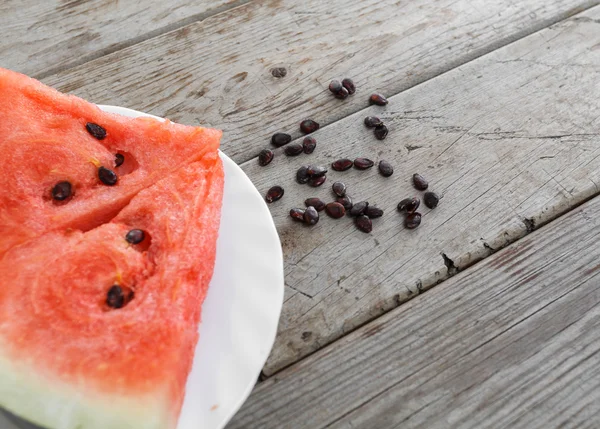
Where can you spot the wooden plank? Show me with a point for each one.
(512, 342)
(509, 140)
(218, 72)
(44, 37)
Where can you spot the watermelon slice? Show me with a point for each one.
(73, 352)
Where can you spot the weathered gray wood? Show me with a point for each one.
(512, 342)
(218, 72)
(510, 140)
(38, 37)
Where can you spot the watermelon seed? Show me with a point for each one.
(115, 297)
(273, 194)
(119, 159)
(96, 130)
(61, 191)
(135, 236)
(106, 176)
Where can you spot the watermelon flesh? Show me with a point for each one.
(67, 359)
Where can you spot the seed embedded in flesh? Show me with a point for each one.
(385, 168)
(308, 126)
(431, 199)
(119, 159)
(335, 86)
(265, 157)
(419, 182)
(115, 298)
(349, 85)
(378, 99)
(135, 236)
(342, 164)
(359, 208)
(311, 216)
(339, 188)
(96, 130)
(280, 139)
(342, 94)
(317, 203)
(293, 149)
(274, 194)
(108, 177)
(363, 223)
(372, 122)
(381, 132)
(413, 220)
(317, 181)
(309, 144)
(373, 212)
(346, 201)
(335, 210)
(302, 176)
(61, 191)
(363, 163)
(316, 171)
(409, 205)
(297, 214)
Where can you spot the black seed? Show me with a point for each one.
(381, 132)
(372, 122)
(280, 139)
(119, 159)
(106, 176)
(311, 216)
(135, 236)
(363, 223)
(335, 210)
(115, 297)
(342, 94)
(409, 205)
(335, 86)
(419, 182)
(61, 191)
(297, 214)
(96, 130)
(342, 164)
(308, 126)
(293, 149)
(316, 171)
(302, 175)
(317, 203)
(273, 194)
(346, 201)
(413, 220)
(373, 212)
(349, 85)
(385, 168)
(265, 157)
(359, 208)
(317, 181)
(431, 199)
(378, 99)
(339, 188)
(278, 72)
(309, 144)
(363, 163)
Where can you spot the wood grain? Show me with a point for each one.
(43, 37)
(512, 342)
(509, 140)
(218, 72)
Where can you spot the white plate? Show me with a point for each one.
(242, 308)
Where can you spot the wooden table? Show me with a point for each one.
(496, 103)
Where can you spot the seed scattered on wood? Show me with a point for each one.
(363, 223)
(342, 94)
(339, 188)
(385, 168)
(311, 216)
(359, 208)
(363, 163)
(419, 182)
(409, 205)
(342, 164)
(317, 181)
(317, 203)
(61, 191)
(297, 214)
(335, 86)
(274, 194)
(115, 298)
(378, 99)
(265, 157)
(280, 139)
(316, 171)
(381, 132)
(349, 85)
(106, 176)
(372, 122)
(135, 236)
(279, 72)
(346, 201)
(96, 130)
(119, 159)
(335, 210)
(413, 220)
(431, 199)
(373, 212)
(308, 126)
(309, 144)
(302, 176)
(293, 149)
